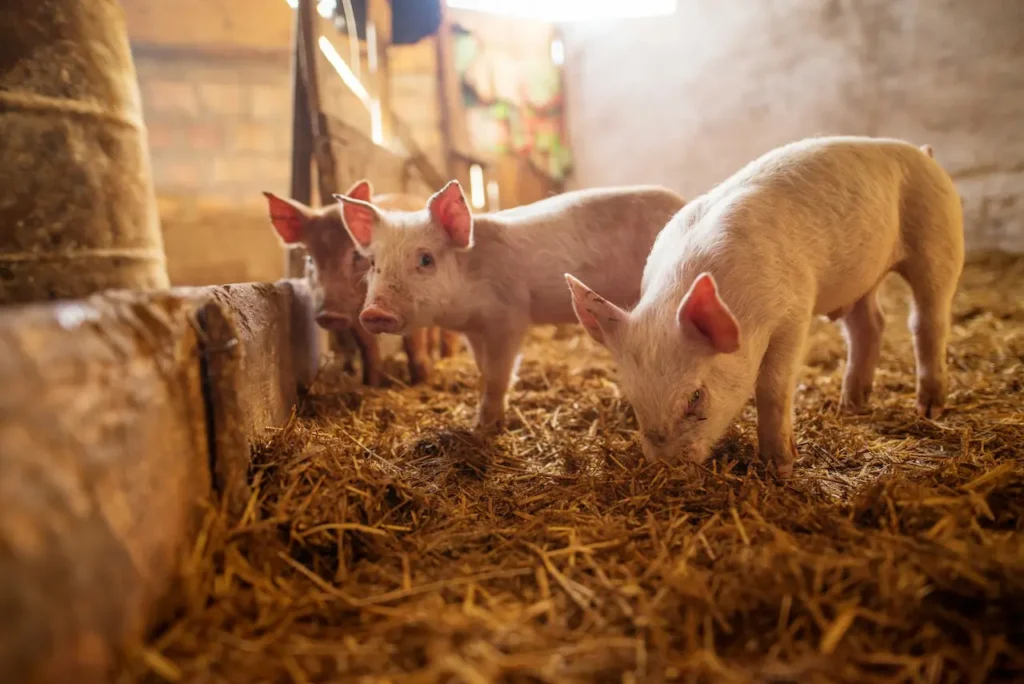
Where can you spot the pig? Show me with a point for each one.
(735, 279)
(338, 273)
(492, 276)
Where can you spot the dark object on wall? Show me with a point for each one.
(411, 20)
(77, 206)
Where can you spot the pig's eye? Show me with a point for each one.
(356, 257)
(426, 260)
(695, 405)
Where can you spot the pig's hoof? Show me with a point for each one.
(419, 372)
(854, 398)
(931, 400)
(489, 423)
(783, 458)
(930, 410)
(372, 379)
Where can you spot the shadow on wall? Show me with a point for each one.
(686, 101)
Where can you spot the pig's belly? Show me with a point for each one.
(836, 299)
(552, 307)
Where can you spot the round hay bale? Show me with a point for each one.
(77, 206)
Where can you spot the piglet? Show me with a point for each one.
(338, 274)
(492, 276)
(731, 285)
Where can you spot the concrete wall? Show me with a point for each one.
(687, 100)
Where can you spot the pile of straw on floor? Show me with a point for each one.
(385, 542)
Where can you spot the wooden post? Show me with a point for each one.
(379, 16)
(448, 91)
(301, 187)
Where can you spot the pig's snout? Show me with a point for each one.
(376, 320)
(333, 321)
(672, 453)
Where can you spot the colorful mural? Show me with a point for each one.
(514, 104)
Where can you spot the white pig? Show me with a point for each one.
(492, 276)
(733, 281)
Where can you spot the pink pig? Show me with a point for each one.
(731, 285)
(492, 276)
(337, 275)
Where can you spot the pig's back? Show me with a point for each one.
(602, 236)
(820, 216)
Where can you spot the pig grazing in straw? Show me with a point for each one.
(338, 278)
(492, 276)
(732, 283)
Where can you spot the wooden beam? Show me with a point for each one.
(301, 184)
(322, 152)
(379, 14)
(453, 128)
(302, 135)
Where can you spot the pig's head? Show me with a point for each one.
(414, 271)
(679, 363)
(339, 268)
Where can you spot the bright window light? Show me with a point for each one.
(570, 10)
(346, 74)
(376, 123)
(476, 186)
(325, 8)
(371, 46)
(557, 52)
(492, 195)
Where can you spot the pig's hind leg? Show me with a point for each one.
(773, 394)
(932, 234)
(929, 322)
(863, 326)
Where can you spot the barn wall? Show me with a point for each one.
(687, 100)
(215, 79)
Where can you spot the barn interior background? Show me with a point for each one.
(187, 495)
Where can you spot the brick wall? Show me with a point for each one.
(686, 101)
(219, 133)
(215, 81)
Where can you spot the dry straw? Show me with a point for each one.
(384, 543)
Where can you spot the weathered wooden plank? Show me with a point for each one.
(104, 469)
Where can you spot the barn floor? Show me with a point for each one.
(381, 544)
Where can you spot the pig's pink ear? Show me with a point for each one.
(703, 309)
(362, 191)
(600, 318)
(448, 207)
(359, 219)
(288, 217)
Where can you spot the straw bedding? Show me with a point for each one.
(384, 542)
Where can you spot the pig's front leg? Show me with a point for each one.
(417, 345)
(477, 347)
(776, 383)
(342, 344)
(449, 343)
(500, 351)
(369, 349)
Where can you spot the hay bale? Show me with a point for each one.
(78, 212)
(261, 347)
(103, 471)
